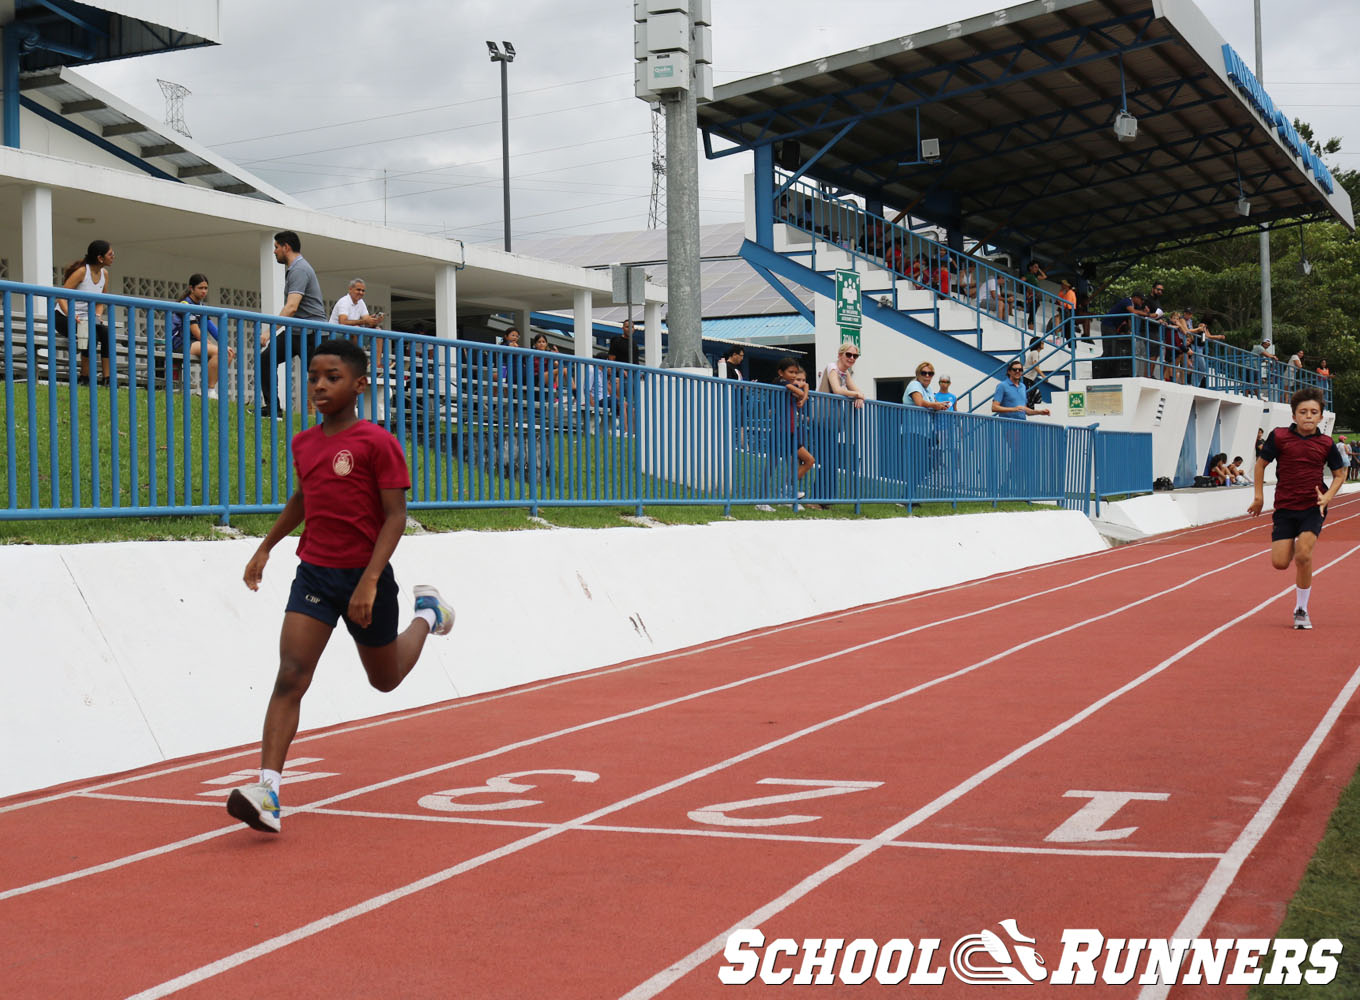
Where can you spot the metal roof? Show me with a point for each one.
(67, 99)
(729, 286)
(57, 33)
(1023, 101)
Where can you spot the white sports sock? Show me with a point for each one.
(271, 778)
(429, 617)
(1301, 598)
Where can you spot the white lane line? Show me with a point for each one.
(377, 902)
(756, 918)
(532, 741)
(253, 750)
(1225, 873)
(525, 824)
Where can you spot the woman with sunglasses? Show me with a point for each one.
(836, 376)
(918, 389)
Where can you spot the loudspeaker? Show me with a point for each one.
(788, 155)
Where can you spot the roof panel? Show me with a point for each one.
(1023, 102)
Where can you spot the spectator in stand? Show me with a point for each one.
(1295, 369)
(547, 372)
(1260, 440)
(302, 299)
(837, 378)
(1199, 336)
(940, 273)
(918, 389)
(89, 274)
(200, 330)
(351, 309)
(991, 297)
(1009, 400)
(1034, 275)
(1266, 353)
(1067, 308)
(1323, 370)
(1083, 302)
(729, 365)
(944, 395)
(1117, 330)
(794, 381)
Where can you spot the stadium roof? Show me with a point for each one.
(1023, 101)
(66, 33)
(70, 101)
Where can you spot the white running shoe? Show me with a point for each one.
(1301, 619)
(257, 806)
(428, 597)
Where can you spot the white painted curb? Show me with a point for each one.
(122, 655)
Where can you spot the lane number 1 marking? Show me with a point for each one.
(1085, 824)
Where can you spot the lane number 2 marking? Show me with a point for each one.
(501, 784)
(717, 814)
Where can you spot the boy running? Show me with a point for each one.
(1301, 451)
(352, 482)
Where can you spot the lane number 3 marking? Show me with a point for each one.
(501, 784)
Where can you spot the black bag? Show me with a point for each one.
(1163, 483)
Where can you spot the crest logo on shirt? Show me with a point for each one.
(343, 464)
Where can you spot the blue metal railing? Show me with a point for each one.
(1123, 464)
(973, 282)
(481, 426)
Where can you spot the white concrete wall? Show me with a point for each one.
(122, 655)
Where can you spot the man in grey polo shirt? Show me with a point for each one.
(302, 298)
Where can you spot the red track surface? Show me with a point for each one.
(967, 716)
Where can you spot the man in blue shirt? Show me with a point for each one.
(1009, 400)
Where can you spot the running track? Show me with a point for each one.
(587, 837)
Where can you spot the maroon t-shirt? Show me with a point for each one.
(1300, 459)
(340, 478)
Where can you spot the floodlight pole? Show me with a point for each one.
(684, 324)
(1267, 317)
(505, 59)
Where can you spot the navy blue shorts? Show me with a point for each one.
(323, 593)
(1290, 524)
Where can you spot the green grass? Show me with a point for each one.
(1327, 904)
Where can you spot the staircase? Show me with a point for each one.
(813, 236)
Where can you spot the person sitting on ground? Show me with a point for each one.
(836, 377)
(1218, 471)
(1237, 473)
(201, 347)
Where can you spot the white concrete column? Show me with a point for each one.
(36, 236)
(271, 278)
(585, 320)
(446, 301)
(651, 334)
(521, 317)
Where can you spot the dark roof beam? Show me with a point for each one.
(80, 107)
(123, 128)
(161, 149)
(198, 170)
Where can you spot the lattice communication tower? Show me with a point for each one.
(174, 106)
(656, 212)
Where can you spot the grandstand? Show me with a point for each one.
(1081, 134)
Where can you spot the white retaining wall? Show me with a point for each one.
(122, 655)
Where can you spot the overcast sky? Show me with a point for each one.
(325, 101)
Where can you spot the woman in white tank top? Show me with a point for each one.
(89, 274)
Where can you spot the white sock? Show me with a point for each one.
(429, 617)
(1301, 598)
(271, 778)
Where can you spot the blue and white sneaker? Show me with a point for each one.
(428, 597)
(257, 806)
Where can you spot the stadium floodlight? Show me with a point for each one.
(494, 50)
(509, 50)
(1125, 126)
